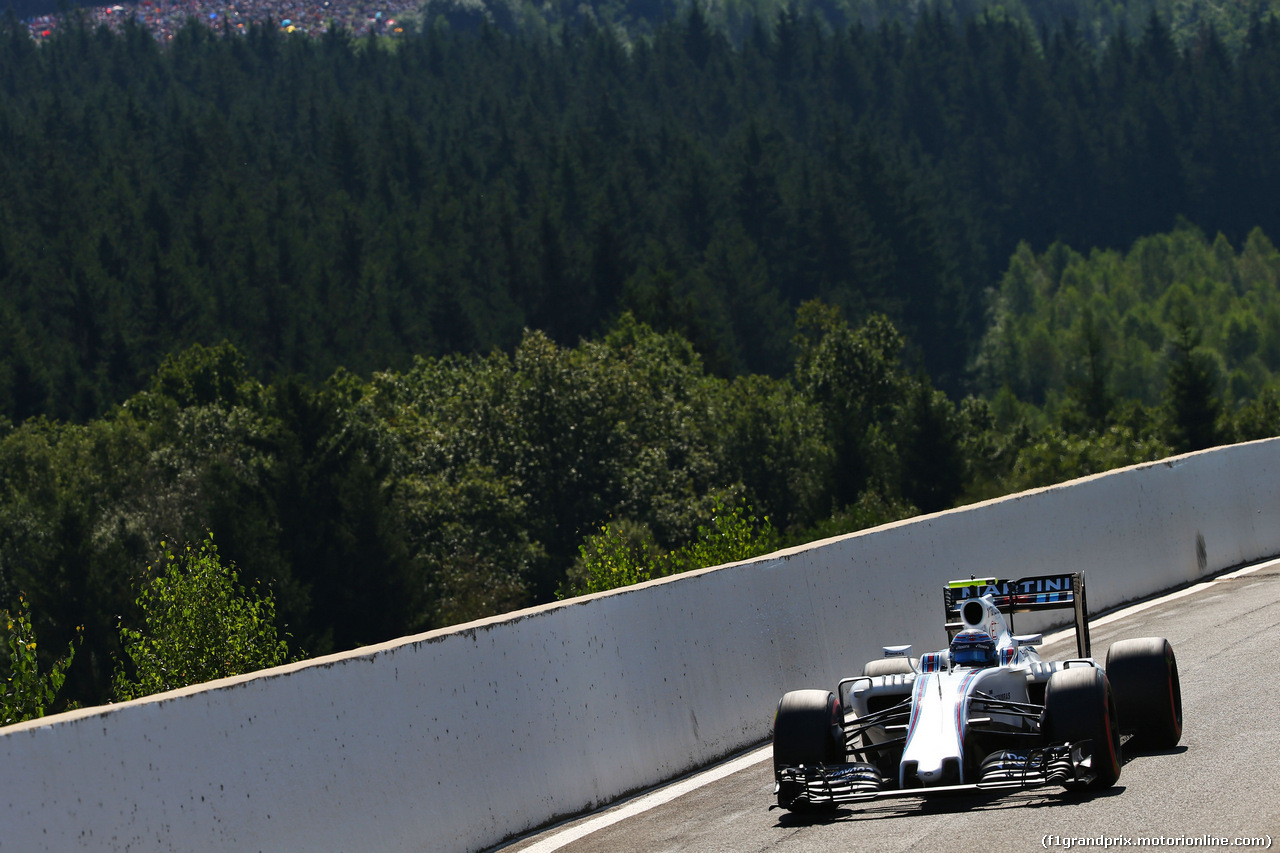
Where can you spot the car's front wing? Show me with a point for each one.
(830, 784)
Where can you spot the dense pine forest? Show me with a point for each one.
(404, 323)
(1095, 21)
(324, 204)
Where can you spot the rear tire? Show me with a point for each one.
(889, 666)
(1079, 705)
(808, 729)
(1144, 675)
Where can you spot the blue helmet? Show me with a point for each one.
(973, 648)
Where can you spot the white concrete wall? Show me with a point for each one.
(456, 740)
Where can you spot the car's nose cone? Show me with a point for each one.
(929, 777)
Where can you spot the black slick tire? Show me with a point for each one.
(1144, 677)
(1078, 706)
(808, 729)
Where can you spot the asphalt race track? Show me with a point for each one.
(1221, 782)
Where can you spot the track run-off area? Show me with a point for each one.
(1218, 789)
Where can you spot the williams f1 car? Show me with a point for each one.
(986, 713)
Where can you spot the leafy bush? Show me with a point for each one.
(28, 693)
(621, 554)
(734, 534)
(625, 553)
(200, 624)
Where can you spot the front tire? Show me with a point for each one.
(807, 729)
(1079, 705)
(1144, 675)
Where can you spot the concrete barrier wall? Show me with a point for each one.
(459, 739)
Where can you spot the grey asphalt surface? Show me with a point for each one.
(1222, 781)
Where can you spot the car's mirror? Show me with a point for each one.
(1029, 639)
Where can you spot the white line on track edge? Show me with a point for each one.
(650, 801)
(1163, 599)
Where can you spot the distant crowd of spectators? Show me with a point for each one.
(163, 18)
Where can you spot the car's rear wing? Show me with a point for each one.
(1025, 595)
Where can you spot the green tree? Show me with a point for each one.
(621, 554)
(199, 624)
(772, 442)
(1191, 399)
(1055, 456)
(854, 376)
(928, 443)
(74, 500)
(28, 693)
(338, 524)
(734, 533)
(1089, 389)
(625, 553)
(1259, 418)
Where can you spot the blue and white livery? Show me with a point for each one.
(985, 713)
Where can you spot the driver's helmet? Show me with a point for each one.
(973, 648)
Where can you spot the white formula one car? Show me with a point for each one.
(984, 714)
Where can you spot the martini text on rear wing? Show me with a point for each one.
(1024, 595)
